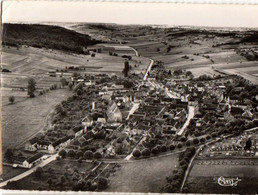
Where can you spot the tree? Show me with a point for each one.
(163, 148)
(188, 73)
(119, 149)
(196, 141)
(126, 68)
(155, 150)
(79, 86)
(62, 153)
(187, 143)
(71, 153)
(179, 145)
(79, 153)
(88, 154)
(183, 139)
(70, 86)
(63, 82)
(97, 155)
(136, 153)
(79, 92)
(202, 140)
(11, 99)
(102, 183)
(31, 87)
(172, 147)
(8, 154)
(146, 152)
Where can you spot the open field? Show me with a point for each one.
(203, 47)
(40, 61)
(206, 176)
(144, 175)
(22, 120)
(248, 70)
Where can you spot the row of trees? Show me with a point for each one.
(174, 182)
(87, 155)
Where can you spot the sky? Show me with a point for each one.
(131, 13)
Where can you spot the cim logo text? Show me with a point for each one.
(222, 181)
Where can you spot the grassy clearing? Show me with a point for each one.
(22, 120)
(143, 176)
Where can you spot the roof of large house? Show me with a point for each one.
(43, 142)
(62, 140)
(33, 140)
(34, 158)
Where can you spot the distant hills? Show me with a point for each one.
(46, 36)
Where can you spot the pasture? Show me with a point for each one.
(147, 175)
(22, 120)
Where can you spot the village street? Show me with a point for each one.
(133, 109)
(189, 117)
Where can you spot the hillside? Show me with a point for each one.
(46, 36)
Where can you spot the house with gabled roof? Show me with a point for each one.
(87, 121)
(31, 145)
(33, 160)
(60, 143)
(42, 144)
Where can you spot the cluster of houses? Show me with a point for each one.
(157, 117)
(107, 110)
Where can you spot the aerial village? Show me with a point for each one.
(109, 117)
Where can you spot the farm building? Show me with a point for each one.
(32, 161)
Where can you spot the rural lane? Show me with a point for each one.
(148, 69)
(136, 52)
(30, 171)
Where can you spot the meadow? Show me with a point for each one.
(147, 175)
